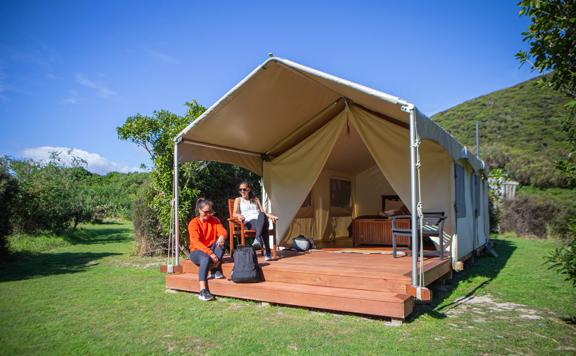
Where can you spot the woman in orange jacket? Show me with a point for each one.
(207, 237)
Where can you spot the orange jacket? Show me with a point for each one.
(204, 234)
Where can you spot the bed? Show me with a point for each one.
(377, 229)
(372, 230)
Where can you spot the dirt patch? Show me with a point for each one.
(236, 306)
(486, 305)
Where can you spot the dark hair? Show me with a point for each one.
(202, 202)
(251, 194)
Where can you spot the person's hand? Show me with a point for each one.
(240, 217)
(214, 258)
(221, 241)
(274, 218)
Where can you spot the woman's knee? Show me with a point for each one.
(199, 258)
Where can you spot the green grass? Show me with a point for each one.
(91, 296)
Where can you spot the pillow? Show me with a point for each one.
(389, 213)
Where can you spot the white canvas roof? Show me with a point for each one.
(294, 125)
(282, 102)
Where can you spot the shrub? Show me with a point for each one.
(563, 200)
(528, 216)
(563, 259)
(50, 197)
(148, 237)
(8, 189)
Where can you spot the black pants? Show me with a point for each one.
(261, 227)
(202, 260)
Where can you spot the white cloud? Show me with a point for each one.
(162, 57)
(71, 98)
(94, 162)
(100, 88)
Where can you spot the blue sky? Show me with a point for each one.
(72, 71)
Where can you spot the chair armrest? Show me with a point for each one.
(236, 221)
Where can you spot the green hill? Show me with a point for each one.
(520, 131)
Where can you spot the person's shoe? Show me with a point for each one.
(256, 244)
(216, 275)
(205, 295)
(267, 257)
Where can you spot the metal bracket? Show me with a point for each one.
(266, 157)
(178, 139)
(407, 107)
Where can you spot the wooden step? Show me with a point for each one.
(377, 303)
(322, 276)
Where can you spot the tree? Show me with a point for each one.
(213, 180)
(155, 134)
(552, 39)
(51, 196)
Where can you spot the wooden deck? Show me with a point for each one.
(370, 284)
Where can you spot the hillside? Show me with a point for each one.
(520, 131)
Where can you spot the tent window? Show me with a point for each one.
(340, 193)
(460, 204)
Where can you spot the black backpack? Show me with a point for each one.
(246, 268)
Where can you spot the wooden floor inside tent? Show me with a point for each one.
(367, 281)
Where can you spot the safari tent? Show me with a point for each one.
(330, 150)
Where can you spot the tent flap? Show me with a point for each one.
(289, 177)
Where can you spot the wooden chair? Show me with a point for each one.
(237, 229)
(433, 225)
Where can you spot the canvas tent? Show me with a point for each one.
(303, 131)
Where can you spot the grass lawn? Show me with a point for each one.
(85, 294)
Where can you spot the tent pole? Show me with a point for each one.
(175, 202)
(413, 198)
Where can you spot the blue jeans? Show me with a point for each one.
(261, 227)
(202, 260)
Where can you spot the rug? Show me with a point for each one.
(371, 252)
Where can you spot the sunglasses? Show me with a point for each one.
(244, 189)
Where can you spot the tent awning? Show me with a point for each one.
(282, 102)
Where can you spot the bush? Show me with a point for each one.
(528, 216)
(148, 237)
(563, 259)
(8, 189)
(50, 197)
